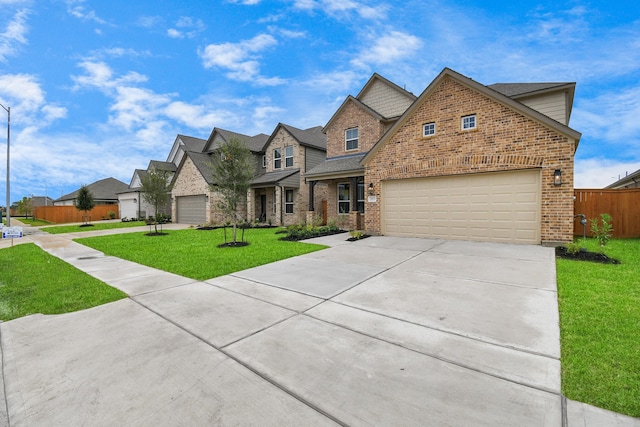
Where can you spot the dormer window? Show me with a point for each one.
(277, 158)
(264, 161)
(351, 139)
(288, 156)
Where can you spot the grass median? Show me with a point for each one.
(194, 253)
(32, 281)
(94, 226)
(600, 327)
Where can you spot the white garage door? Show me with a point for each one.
(191, 209)
(495, 207)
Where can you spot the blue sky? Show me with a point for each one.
(99, 88)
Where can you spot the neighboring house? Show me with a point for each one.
(131, 201)
(351, 132)
(632, 180)
(105, 192)
(281, 195)
(194, 202)
(37, 201)
(464, 161)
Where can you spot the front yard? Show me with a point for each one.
(600, 328)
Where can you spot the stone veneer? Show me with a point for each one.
(503, 140)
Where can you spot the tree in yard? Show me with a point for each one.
(233, 170)
(24, 206)
(84, 202)
(156, 188)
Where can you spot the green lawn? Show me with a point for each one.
(32, 281)
(95, 226)
(600, 328)
(194, 253)
(34, 222)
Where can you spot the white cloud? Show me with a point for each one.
(14, 34)
(186, 27)
(100, 75)
(389, 48)
(76, 8)
(343, 8)
(196, 116)
(599, 172)
(240, 59)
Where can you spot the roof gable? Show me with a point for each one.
(385, 97)
(313, 137)
(104, 189)
(484, 90)
(220, 136)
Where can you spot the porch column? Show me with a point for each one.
(278, 203)
(251, 205)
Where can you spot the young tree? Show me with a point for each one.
(233, 170)
(156, 190)
(84, 202)
(25, 206)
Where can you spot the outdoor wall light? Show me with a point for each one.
(135, 200)
(371, 188)
(557, 177)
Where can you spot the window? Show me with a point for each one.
(277, 158)
(288, 201)
(469, 122)
(288, 156)
(351, 139)
(264, 161)
(428, 129)
(360, 195)
(344, 198)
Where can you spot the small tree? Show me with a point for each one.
(233, 170)
(603, 232)
(156, 188)
(84, 202)
(25, 206)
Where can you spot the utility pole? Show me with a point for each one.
(8, 110)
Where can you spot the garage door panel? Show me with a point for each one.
(503, 206)
(191, 209)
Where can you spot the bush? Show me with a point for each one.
(603, 232)
(303, 231)
(111, 214)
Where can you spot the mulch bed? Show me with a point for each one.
(561, 252)
(355, 239)
(233, 245)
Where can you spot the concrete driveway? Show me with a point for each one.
(384, 331)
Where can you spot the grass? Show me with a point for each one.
(34, 222)
(194, 253)
(95, 226)
(32, 281)
(600, 328)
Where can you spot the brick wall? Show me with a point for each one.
(503, 140)
(369, 131)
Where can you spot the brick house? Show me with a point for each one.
(463, 161)
(281, 195)
(351, 132)
(193, 200)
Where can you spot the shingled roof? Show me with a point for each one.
(103, 190)
(337, 167)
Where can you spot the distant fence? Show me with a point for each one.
(67, 214)
(622, 205)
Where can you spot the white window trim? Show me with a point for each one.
(469, 116)
(275, 159)
(343, 201)
(430, 125)
(288, 157)
(291, 203)
(346, 141)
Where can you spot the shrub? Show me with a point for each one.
(603, 232)
(111, 214)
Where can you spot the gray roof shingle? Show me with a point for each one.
(104, 189)
(337, 165)
(518, 89)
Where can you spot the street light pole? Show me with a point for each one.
(8, 110)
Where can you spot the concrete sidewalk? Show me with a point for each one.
(384, 331)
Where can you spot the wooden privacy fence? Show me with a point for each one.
(622, 205)
(67, 214)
